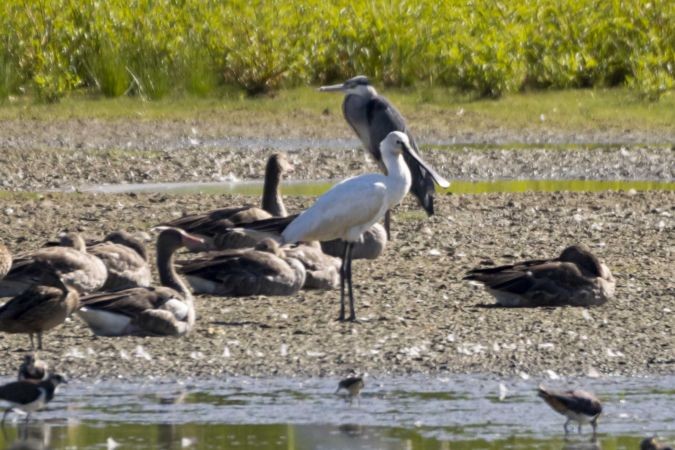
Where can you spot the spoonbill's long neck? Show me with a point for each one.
(398, 178)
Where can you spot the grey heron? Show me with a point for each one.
(373, 117)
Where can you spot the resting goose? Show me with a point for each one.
(576, 277)
(322, 271)
(41, 307)
(167, 310)
(5, 260)
(79, 269)
(211, 223)
(263, 270)
(126, 259)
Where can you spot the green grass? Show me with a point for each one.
(601, 109)
(154, 48)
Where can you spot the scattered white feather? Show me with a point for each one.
(226, 352)
(187, 442)
(552, 375)
(502, 392)
(74, 352)
(283, 349)
(586, 315)
(434, 252)
(112, 444)
(546, 346)
(593, 373)
(124, 354)
(614, 354)
(140, 352)
(524, 375)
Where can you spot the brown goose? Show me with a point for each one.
(167, 310)
(126, 259)
(322, 271)
(41, 307)
(211, 223)
(5, 260)
(263, 270)
(79, 269)
(33, 369)
(576, 277)
(372, 244)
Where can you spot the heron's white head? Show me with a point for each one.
(359, 85)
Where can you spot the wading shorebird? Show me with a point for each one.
(354, 205)
(28, 396)
(576, 277)
(78, 269)
(211, 224)
(578, 406)
(126, 259)
(167, 310)
(33, 369)
(41, 307)
(652, 444)
(353, 385)
(5, 260)
(373, 117)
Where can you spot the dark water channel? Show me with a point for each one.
(412, 413)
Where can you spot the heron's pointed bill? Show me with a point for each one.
(332, 88)
(442, 182)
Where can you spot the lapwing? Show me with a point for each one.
(29, 397)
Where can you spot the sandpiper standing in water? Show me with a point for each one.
(578, 406)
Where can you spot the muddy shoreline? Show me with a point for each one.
(67, 154)
(418, 315)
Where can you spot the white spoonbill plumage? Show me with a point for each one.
(353, 205)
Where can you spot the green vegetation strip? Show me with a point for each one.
(153, 47)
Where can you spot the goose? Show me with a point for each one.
(576, 277)
(213, 222)
(322, 270)
(126, 259)
(41, 307)
(33, 369)
(371, 246)
(263, 270)
(578, 406)
(5, 260)
(167, 310)
(79, 269)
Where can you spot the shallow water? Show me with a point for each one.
(313, 188)
(458, 412)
